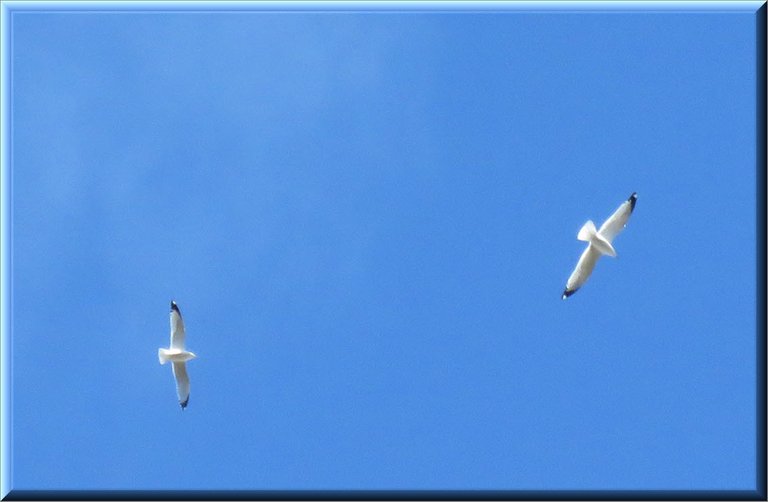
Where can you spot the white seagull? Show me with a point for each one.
(599, 244)
(178, 356)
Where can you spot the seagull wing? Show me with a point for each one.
(177, 328)
(618, 219)
(582, 271)
(182, 383)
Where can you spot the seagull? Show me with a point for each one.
(599, 244)
(178, 356)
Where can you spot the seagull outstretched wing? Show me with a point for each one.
(182, 383)
(177, 328)
(583, 270)
(618, 220)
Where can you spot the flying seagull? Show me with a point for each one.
(178, 356)
(599, 244)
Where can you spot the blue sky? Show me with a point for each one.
(367, 220)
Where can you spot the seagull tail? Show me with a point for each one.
(589, 233)
(162, 356)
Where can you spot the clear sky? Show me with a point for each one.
(367, 220)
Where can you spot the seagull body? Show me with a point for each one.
(600, 243)
(177, 355)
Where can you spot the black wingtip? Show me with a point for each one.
(632, 200)
(567, 293)
(184, 403)
(175, 307)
